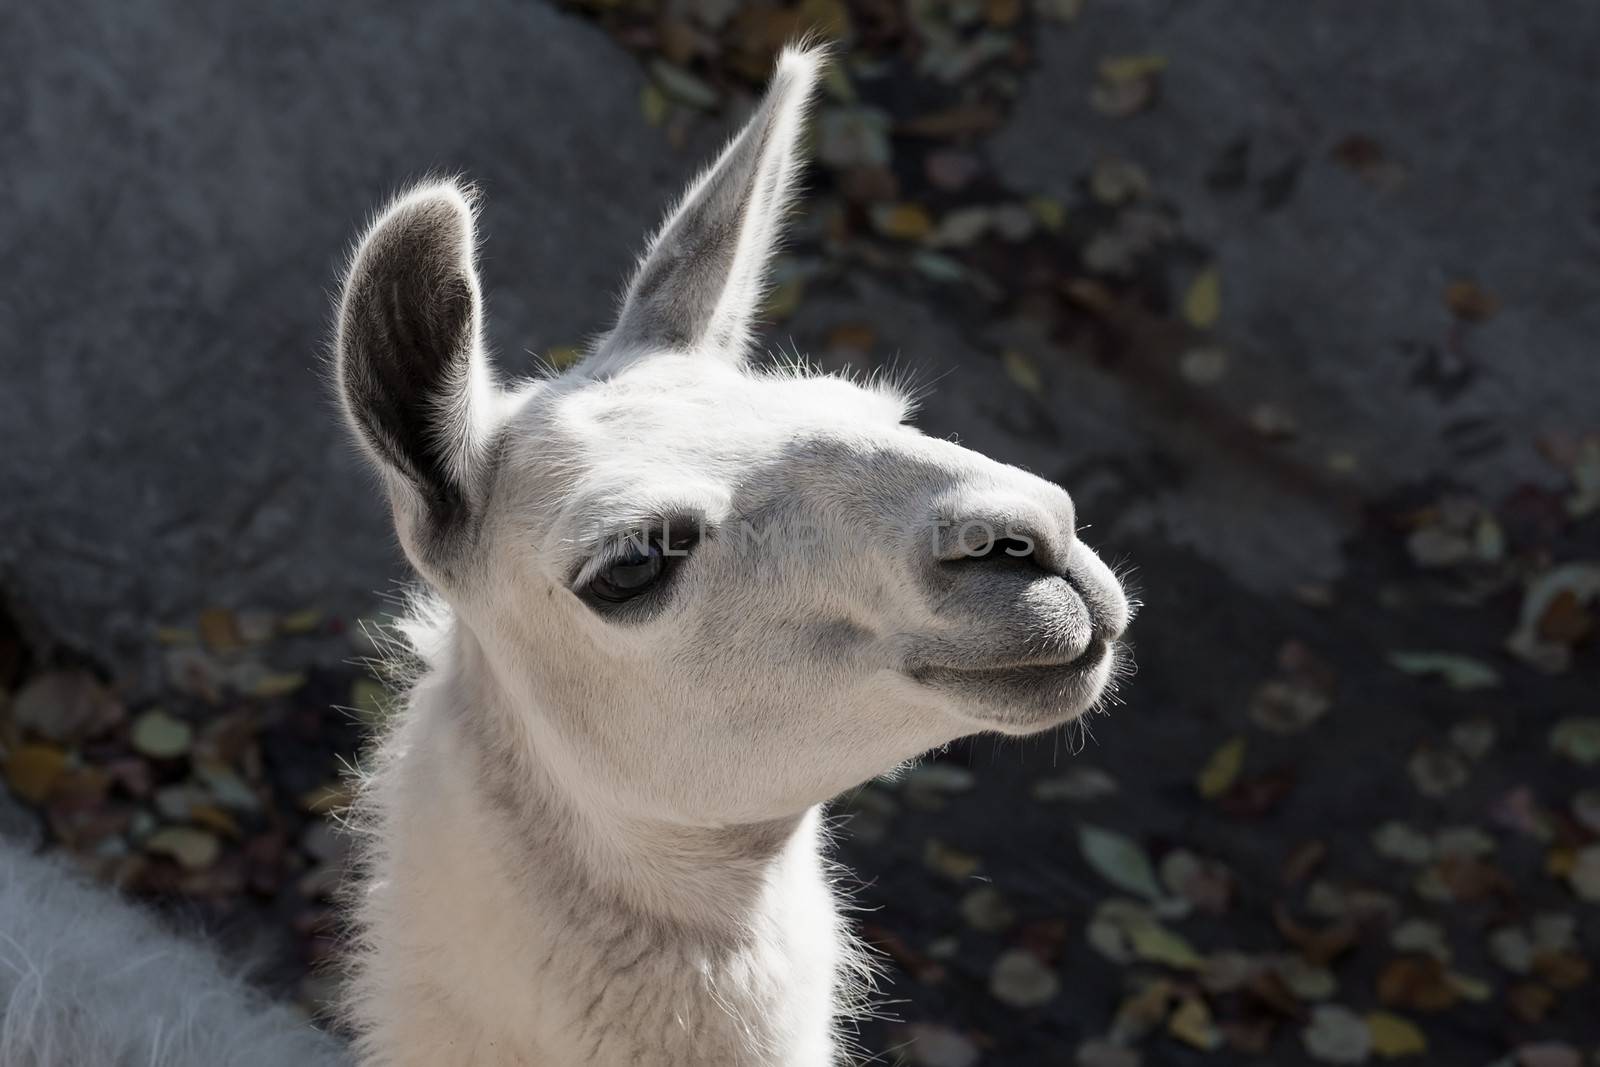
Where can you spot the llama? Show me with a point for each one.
(676, 604)
(87, 978)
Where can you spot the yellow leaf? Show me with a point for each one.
(176, 635)
(219, 629)
(1202, 304)
(1222, 769)
(1469, 988)
(1119, 69)
(563, 356)
(1154, 943)
(1559, 861)
(33, 771)
(904, 222)
(277, 684)
(1049, 211)
(829, 19)
(371, 700)
(301, 622)
(782, 300)
(1192, 1024)
(214, 818)
(195, 850)
(1393, 1036)
(324, 799)
(653, 102)
(1022, 371)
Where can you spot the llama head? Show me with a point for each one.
(706, 590)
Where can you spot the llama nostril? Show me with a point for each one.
(1000, 548)
(1011, 553)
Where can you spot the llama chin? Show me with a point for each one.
(679, 603)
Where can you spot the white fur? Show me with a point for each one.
(89, 980)
(592, 836)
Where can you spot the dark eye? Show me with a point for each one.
(627, 577)
(642, 568)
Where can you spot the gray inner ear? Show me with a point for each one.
(700, 282)
(407, 332)
(675, 293)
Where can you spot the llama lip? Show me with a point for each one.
(1027, 697)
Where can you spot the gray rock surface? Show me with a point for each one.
(1488, 116)
(182, 182)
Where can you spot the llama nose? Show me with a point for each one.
(1013, 540)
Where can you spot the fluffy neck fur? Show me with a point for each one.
(507, 919)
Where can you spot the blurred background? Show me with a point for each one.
(1300, 301)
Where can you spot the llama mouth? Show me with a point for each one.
(1024, 697)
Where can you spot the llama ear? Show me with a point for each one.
(700, 283)
(413, 379)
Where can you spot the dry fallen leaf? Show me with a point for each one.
(1457, 671)
(194, 849)
(1584, 875)
(1577, 738)
(1080, 783)
(987, 910)
(1337, 1035)
(1548, 1054)
(160, 736)
(933, 1045)
(1119, 860)
(1107, 1054)
(1020, 369)
(902, 222)
(65, 706)
(1469, 301)
(33, 771)
(1202, 304)
(1394, 1037)
(949, 861)
(1419, 983)
(1021, 980)
(1222, 769)
(1192, 1024)
(1437, 771)
(1129, 68)
(219, 629)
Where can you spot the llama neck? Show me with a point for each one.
(531, 925)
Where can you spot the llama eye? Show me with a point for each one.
(634, 573)
(644, 568)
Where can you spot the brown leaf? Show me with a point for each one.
(1304, 861)
(33, 771)
(951, 170)
(1368, 159)
(1469, 301)
(1251, 1038)
(220, 630)
(1002, 13)
(967, 120)
(1270, 991)
(922, 968)
(65, 706)
(856, 336)
(1530, 1001)
(1256, 796)
(1563, 970)
(1318, 946)
(1419, 983)
(902, 222)
(1566, 620)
